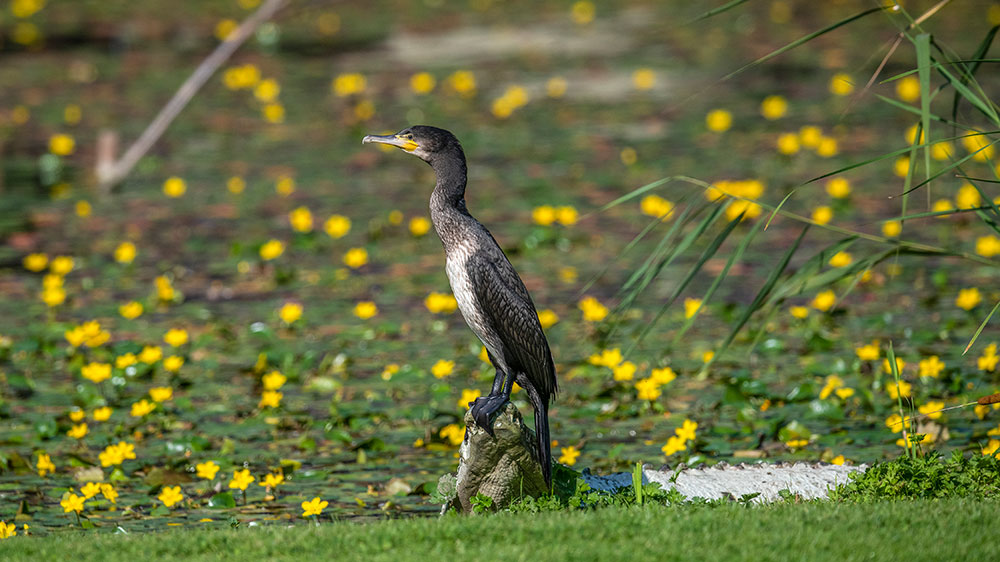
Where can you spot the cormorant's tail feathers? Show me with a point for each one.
(544, 443)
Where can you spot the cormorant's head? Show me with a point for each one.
(421, 140)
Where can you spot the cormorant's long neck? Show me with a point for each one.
(448, 199)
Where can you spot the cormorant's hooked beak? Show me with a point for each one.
(408, 145)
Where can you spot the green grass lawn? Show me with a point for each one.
(909, 530)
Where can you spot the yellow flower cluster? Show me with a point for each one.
(454, 433)
(835, 385)
(241, 77)
(682, 436)
(468, 396)
(512, 99)
(593, 310)
(441, 303)
(116, 454)
(649, 387)
(89, 333)
(746, 191)
(988, 360)
(655, 206)
(546, 215)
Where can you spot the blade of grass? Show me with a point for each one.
(981, 326)
(716, 11)
(924, 131)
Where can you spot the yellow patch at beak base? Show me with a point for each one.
(409, 145)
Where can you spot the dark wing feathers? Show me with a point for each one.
(508, 308)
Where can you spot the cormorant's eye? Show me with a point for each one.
(408, 136)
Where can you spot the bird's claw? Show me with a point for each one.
(483, 410)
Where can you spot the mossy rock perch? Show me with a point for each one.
(504, 467)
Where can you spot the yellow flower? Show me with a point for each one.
(628, 156)
(624, 372)
(83, 209)
(662, 376)
(655, 206)
(274, 113)
(271, 249)
(718, 120)
(142, 408)
(903, 389)
(891, 229)
(968, 298)
(544, 215)
(174, 187)
(547, 318)
(931, 409)
(176, 337)
(365, 310)
(164, 289)
(267, 90)
(130, 310)
(691, 307)
(96, 372)
(90, 490)
(799, 312)
(117, 453)
(422, 83)
(356, 257)
(810, 136)
(173, 363)
(290, 312)
(824, 301)
(76, 336)
(838, 188)
(36, 262)
(337, 226)
(270, 399)
(844, 393)
(150, 354)
(273, 380)
(223, 29)
(272, 480)
(170, 495)
(53, 296)
(236, 185)
(942, 150)
(827, 147)
(241, 479)
(887, 367)
(931, 367)
(61, 145)
(967, 197)
(109, 493)
(161, 393)
(125, 252)
(61, 265)
(648, 389)
(556, 87)
(593, 310)
(78, 431)
(7, 530)
(568, 455)
(991, 447)
(454, 433)
(979, 145)
(822, 214)
(774, 107)
(869, 352)
(988, 246)
(468, 396)
(838, 460)
(582, 13)
(567, 215)
(76, 414)
(787, 143)
(314, 506)
(26, 8)
(610, 358)
(301, 219)
(841, 84)
(419, 226)
(841, 259)
(988, 360)
(908, 89)
(44, 464)
(439, 303)
(442, 368)
(206, 470)
(391, 369)
(72, 503)
(102, 414)
(796, 443)
(833, 382)
(687, 430)
(347, 84)
(674, 445)
(644, 79)
(463, 82)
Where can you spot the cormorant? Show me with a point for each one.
(491, 296)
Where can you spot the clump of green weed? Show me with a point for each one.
(924, 477)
